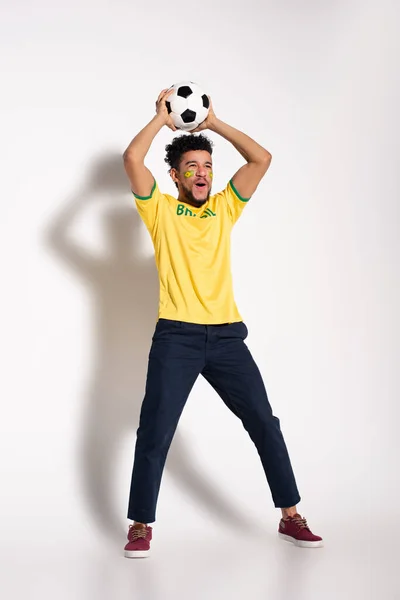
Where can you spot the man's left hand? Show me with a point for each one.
(206, 124)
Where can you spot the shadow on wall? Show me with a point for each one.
(123, 287)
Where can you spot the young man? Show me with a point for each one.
(200, 330)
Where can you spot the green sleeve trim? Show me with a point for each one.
(237, 193)
(146, 197)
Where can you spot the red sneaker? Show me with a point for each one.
(295, 530)
(138, 545)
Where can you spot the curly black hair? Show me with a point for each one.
(185, 143)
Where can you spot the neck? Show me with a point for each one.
(190, 200)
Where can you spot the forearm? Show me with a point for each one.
(251, 151)
(140, 145)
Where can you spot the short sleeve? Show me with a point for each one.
(235, 202)
(148, 207)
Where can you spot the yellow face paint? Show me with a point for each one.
(189, 174)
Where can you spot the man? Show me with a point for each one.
(200, 330)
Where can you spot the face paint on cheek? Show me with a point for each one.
(188, 174)
(211, 174)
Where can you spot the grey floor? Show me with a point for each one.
(359, 561)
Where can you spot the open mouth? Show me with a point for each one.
(200, 185)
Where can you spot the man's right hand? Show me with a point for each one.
(162, 110)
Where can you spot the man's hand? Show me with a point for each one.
(207, 124)
(162, 110)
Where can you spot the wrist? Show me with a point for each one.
(214, 124)
(160, 119)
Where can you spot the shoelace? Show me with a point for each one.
(135, 534)
(301, 522)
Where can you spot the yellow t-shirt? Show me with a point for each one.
(192, 253)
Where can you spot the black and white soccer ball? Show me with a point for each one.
(188, 105)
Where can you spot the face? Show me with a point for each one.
(194, 177)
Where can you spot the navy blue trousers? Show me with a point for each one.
(180, 352)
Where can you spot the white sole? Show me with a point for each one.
(136, 553)
(299, 543)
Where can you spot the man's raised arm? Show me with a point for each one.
(247, 178)
(140, 177)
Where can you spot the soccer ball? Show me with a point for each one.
(188, 105)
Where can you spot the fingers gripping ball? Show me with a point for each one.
(188, 105)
